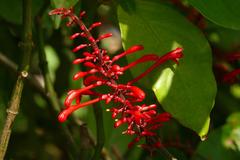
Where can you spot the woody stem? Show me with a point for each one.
(14, 103)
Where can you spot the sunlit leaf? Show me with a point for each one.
(186, 91)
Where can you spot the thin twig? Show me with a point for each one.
(100, 131)
(14, 103)
(32, 80)
(166, 153)
(8, 63)
(49, 88)
(116, 152)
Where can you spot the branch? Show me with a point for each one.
(13, 107)
(100, 131)
(165, 152)
(13, 67)
(49, 88)
(8, 63)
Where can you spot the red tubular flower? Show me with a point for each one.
(232, 76)
(131, 50)
(173, 55)
(142, 120)
(233, 56)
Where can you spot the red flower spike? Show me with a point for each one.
(161, 118)
(150, 107)
(75, 35)
(60, 11)
(82, 74)
(156, 126)
(232, 76)
(115, 112)
(90, 65)
(65, 113)
(129, 132)
(94, 25)
(151, 113)
(91, 39)
(62, 117)
(233, 56)
(127, 52)
(107, 35)
(79, 60)
(173, 55)
(82, 14)
(76, 93)
(92, 79)
(137, 93)
(135, 140)
(79, 75)
(87, 54)
(141, 120)
(108, 99)
(89, 92)
(145, 58)
(81, 46)
(158, 144)
(82, 27)
(106, 58)
(119, 122)
(147, 133)
(116, 68)
(68, 24)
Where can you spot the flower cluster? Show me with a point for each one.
(142, 120)
(223, 69)
(232, 76)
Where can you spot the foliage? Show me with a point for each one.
(201, 92)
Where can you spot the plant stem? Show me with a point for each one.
(14, 103)
(8, 63)
(50, 91)
(100, 131)
(165, 152)
(13, 67)
(167, 155)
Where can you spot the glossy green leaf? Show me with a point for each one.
(214, 149)
(225, 12)
(186, 91)
(11, 11)
(224, 140)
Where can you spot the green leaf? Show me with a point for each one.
(225, 12)
(224, 140)
(186, 91)
(63, 3)
(11, 11)
(214, 149)
(53, 61)
(231, 132)
(223, 38)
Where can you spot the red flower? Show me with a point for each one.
(142, 120)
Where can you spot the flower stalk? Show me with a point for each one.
(142, 120)
(14, 103)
